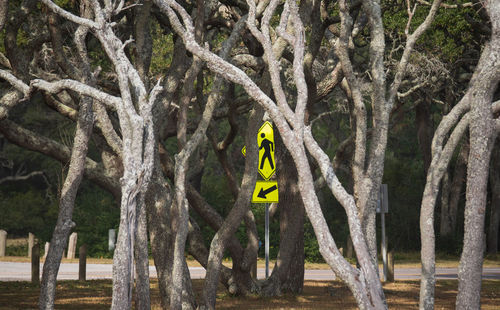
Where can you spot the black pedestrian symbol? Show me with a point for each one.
(268, 148)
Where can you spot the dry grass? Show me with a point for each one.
(96, 294)
(402, 260)
(493, 261)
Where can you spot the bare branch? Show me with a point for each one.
(272, 63)
(15, 82)
(76, 19)
(9, 100)
(495, 106)
(298, 66)
(410, 42)
(81, 88)
(32, 141)
(412, 90)
(410, 16)
(247, 60)
(352, 81)
(20, 177)
(450, 6)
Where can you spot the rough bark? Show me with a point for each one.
(445, 199)
(138, 139)
(232, 221)
(364, 283)
(494, 223)
(442, 153)
(481, 142)
(239, 280)
(288, 272)
(158, 202)
(141, 256)
(482, 135)
(32, 141)
(480, 85)
(75, 172)
(64, 223)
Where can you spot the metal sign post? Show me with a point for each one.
(383, 209)
(267, 240)
(265, 191)
(384, 246)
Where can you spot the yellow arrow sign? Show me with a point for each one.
(265, 141)
(265, 192)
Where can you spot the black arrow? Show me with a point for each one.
(262, 194)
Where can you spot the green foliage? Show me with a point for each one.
(449, 35)
(29, 211)
(214, 186)
(95, 213)
(163, 48)
(451, 245)
(404, 175)
(311, 246)
(16, 250)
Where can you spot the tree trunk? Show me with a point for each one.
(66, 205)
(288, 272)
(495, 200)
(482, 135)
(239, 280)
(233, 220)
(445, 201)
(142, 298)
(158, 203)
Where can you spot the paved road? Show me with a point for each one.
(22, 272)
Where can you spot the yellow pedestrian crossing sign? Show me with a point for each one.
(265, 192)
(265, 141)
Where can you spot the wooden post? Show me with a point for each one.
(31, 243)
(35, 264)
(47, 246)
(72, 246)
(390, 267)
(3, 242)
(82, 264)
(254, 270)
(111, 239)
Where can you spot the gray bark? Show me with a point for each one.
(138, 140)
(288, 272)
(73, 179)
(482, 134)
(186, 149)
(159, 202)
(232, 221)
(494, 223)
(482, 137)
(445, 201)
(66, 205)
(142, 298)
(364, 283)
(238, 281)
(32, 141)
